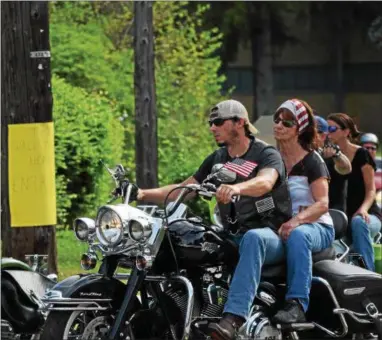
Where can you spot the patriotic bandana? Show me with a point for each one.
(299, 111)
(241, 167)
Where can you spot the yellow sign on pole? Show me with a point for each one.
(32, 186)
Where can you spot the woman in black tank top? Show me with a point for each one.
(362, 210)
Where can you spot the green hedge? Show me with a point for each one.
(86, 131)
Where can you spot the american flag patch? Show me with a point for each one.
(265, 204)
(241, 167)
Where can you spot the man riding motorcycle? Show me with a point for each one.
(254, 220)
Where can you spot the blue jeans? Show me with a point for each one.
(263, 246)
(363, 234)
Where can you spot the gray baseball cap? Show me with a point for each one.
(229, 109)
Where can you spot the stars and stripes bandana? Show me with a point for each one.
(241, 167)
(299, 111)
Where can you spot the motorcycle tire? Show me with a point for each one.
(56, 323)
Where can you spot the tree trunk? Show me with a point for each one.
(262, 59)
(146, 148)
(26, 98)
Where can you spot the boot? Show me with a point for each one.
(291, 313)
(227, 328)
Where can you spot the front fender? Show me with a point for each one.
(90, 286)
(11, 263)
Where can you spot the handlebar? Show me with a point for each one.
(207, 190)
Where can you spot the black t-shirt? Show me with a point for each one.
(356, 184)
(269, 158)
(304, 173)
(311, 167)
(269, 210)
(337, 187)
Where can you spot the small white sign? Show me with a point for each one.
(40, 54)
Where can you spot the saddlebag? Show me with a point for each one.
(17, 307)
(351, 285)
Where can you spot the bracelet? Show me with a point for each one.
(338, 154)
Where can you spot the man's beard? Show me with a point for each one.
(233, 136)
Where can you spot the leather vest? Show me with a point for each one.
(270, 210)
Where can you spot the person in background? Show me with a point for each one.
(337, 163)
(361, 208)
(369, 141)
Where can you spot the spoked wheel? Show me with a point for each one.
(77, 325)
(96, 325)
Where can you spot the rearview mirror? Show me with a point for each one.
(226, 176)
(223, 174)
(217, 167)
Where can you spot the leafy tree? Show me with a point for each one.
(86, 130)
(342, 23)
(375, 32)
(92, 57)
(263, 25)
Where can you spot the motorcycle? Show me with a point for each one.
(22, 284)
(180, 272)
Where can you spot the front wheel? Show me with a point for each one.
(96, 325)
(79, 325)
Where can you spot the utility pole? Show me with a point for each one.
(26, 101)
(146, 140)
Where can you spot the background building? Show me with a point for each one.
(327, 72)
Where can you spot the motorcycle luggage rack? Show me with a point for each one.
(345, 327)
(89, 304)
(359, 317)
(377, 238)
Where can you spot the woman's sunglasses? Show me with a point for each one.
(370, 148)
(220, 121)
(288, 123)
(333, 128)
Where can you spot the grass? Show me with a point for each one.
(69, 251)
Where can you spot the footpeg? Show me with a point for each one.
(305, 326)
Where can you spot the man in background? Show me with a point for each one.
(370, 142)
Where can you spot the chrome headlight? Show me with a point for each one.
(140, 231)
(109, 227)
(83, 227)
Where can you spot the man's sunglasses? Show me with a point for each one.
(220, 121)
(371, 148)
(288, 123)
(333, 128)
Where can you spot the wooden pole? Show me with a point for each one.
(26, 97)
(146, 144)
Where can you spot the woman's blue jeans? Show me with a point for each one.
(363, 234)
(263, 246)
